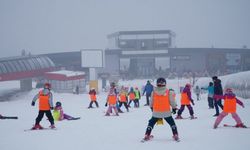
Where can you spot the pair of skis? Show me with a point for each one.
(233, 126)
(40, 129)
(8, 117)
(151, 137)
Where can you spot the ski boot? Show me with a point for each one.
(52, 126)
(178, 117)
(193, 117)
(176, 137)
(147, 138)
(107, 114)
(37, 127)
(240, 125)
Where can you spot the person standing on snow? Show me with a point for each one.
(230, 102)
(210, 95)
(186, 99)
(112, 100)
(197, 91)
(148, 90)
(45, 105)
(131, 96)
(93, 99)
(123, 98)
(219, 92)
(161, 102)
(137, 97)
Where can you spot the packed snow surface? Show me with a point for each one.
(94, 131)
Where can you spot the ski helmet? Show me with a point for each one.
(58, 104)
(188, 85)
(229, 90)
(161, 82)
(47, 85)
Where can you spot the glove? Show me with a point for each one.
(32, 103)
(51, 108)
(174, 110)
(106, 104)
(151, 109)
(192, 102)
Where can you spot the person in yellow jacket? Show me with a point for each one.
(45, 105)
(161, 104)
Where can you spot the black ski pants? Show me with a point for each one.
(153, 120)
(41, 114)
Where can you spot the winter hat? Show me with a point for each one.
(58, 104)
(229, 90)
(214, 77)
(161, 82)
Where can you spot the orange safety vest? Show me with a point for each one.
(184, 99)
(123, 97)
(112, 99)
(161, 102)
(132, 96)
(229, 105)
(92, 97)
(43, 101)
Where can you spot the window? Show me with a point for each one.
(3, 68)
(26, 64)
(9, 69)
(36, 63)
(22, 66)
(33, 67)
(17, 65)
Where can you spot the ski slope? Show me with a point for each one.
(94, 131)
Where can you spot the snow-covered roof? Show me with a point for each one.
(67, 73)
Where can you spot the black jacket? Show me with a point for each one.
(218, 87)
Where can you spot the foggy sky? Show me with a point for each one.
(47, 26)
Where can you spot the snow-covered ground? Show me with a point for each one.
(94, 131)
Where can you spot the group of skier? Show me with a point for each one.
(160, 99)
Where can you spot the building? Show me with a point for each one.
(147, 54)
(65, 81)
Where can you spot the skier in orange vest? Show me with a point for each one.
(123, 98)
(112, 100)
(45, 105)
(131, 95)
(161, 102)
(93, 99)
(230, 102)
(186, 99)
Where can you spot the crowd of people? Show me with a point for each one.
(161, 99)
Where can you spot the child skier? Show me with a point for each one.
(112, 100)
(137, 97)
(161, 103)
(197, 91)
(93, 99)
(45, 104)
(59, 115)
(131, 96)
(230, 102)
(123, 98)
(186, 98)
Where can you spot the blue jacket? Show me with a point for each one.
(148, 89)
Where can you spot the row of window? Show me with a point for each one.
(19, 65)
